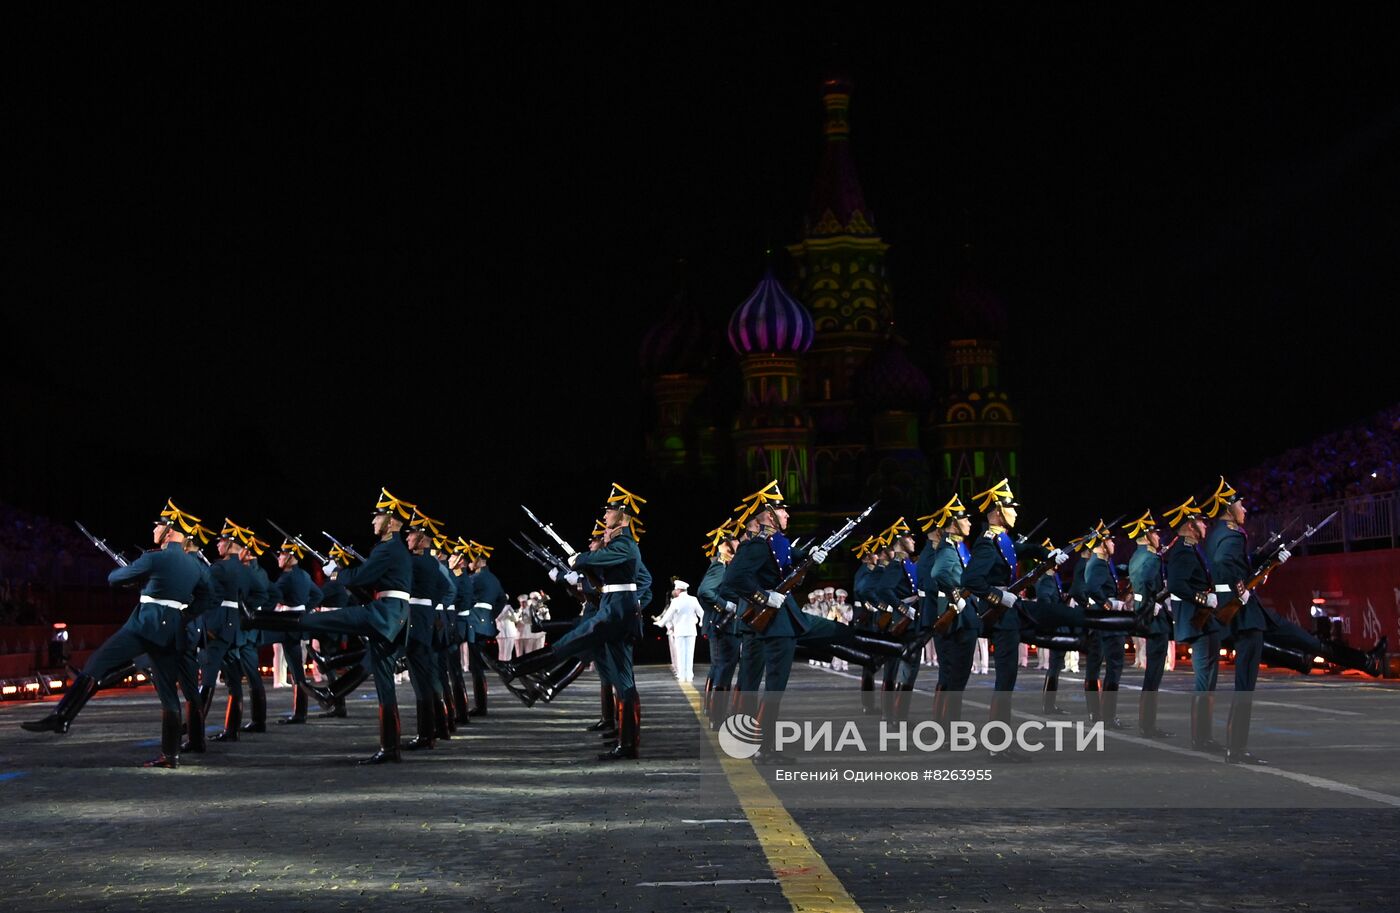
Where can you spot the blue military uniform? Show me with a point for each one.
(489, 599)
(170, 581)
(1147, 574)
(388, 573)
(296, 591)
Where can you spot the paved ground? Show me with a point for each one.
(516, 815)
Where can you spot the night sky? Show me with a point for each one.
(268, 265)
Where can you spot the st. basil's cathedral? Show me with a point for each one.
(829, 398)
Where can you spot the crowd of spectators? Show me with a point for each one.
(37, 554)
(1362, 459)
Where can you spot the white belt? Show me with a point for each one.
(942, 595)
(391, 594)
(413, 601)
(1137, 597)
(1224, 588)
(289, 608)
(226, 604)
(483, 605)
(620, 588)
(168, 603)
(923, 595)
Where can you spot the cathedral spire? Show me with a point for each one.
(837, 206)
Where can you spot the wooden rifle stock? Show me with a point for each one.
(759, 614)
(944, 624)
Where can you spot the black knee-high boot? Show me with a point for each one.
(169, 741)
(79, 693)
(194, 729)
(233, 720)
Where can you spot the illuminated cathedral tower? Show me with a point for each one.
(677, 359)
(770, 332)
(978, 434)
(841, 278)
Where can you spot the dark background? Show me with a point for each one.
(267, 262)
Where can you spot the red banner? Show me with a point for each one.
(1360, 588)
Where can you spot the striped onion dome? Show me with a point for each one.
(770, 320)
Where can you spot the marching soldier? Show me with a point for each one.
(459, 564)
(481, 623)
(723, 647)
(955, 647)
(898, 591)
(244, 661)
(387, 572)
(449, 656)
(863, 586)
(1145, 570)
(1101, 589)
(990, 569)
(616, 624)
(338, 651)
(426, 635)
(232, 588)
(1189, 583)
(294, 592)
(170, 582)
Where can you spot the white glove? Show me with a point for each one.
(329, 568)
(1283, 555)
(1006, 598)
(819, 555)
(572, 578)
(1244, 597)
(960, 604)
(1060, 556)
(573, 558)
(730, 607)
(554, 573)
(1116, 605)
(1211, 601)
(776, 599)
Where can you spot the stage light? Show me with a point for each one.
(56, 683)
(8, 688)
(140, 676)
(1319, 659)
(31, 686)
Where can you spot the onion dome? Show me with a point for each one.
(678, 343)
(889, 381)
(771, 320)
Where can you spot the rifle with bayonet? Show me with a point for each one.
(1274, 542)
(1225, 612)
(360, 593)
(102, 546)
(759, 614)
(1046, 564)
(548, 528)
(944, 622)
(298, 540)
(347, 549)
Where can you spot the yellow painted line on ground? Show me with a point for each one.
(808, 884)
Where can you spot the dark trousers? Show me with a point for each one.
(382, 655)
(1157, 647)
(423, 672)
(776, 659)
(211, 663)
(477, 659)
(1106, 652)
(1005, 659)
(1205, 662)
(1249, 645)
(123, 647)
(724, 659)
(961, 646)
